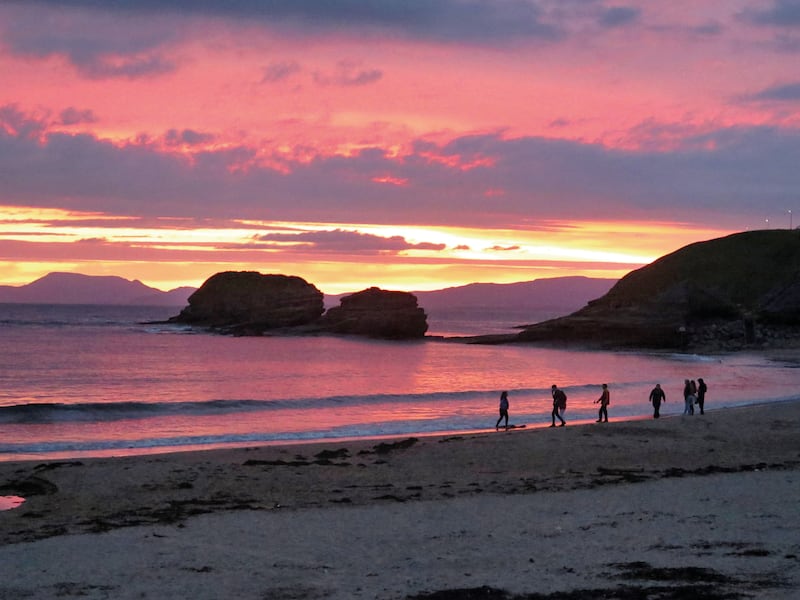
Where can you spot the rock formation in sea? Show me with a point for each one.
(740, 291)
(377, 313)
(249, 303)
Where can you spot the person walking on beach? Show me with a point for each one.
(503, 410)
(559, 405)
(702, 388)
(688, 398)
(657, 396)
(604, 400)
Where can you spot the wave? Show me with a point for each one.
(450, 425)
(107, 411)
(103, 412)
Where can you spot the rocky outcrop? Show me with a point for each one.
(249, 303)
(379, 314)
(726, 294)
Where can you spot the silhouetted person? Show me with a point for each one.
(559, 405)
(604, 400)
(503, 410)
(702, 388)
(657, 396)
(688, 398)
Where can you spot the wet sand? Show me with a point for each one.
(681, 507)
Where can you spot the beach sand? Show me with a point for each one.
(681, 507)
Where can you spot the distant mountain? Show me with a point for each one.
(558, 294)
(561, 293)
(74, 288)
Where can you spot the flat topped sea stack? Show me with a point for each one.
(248, 302)
(740, 291)
(378, 313)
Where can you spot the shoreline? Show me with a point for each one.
(529, 510)
(532, 411)
(155, 451)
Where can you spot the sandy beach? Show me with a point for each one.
(681, 507)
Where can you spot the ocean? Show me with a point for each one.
(80, 381)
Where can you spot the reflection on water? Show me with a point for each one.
(9, 502)
(86, 381)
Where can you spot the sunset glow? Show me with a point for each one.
(355, 145)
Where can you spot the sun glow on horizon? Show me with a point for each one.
(342, 257)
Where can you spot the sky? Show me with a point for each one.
(405, 144)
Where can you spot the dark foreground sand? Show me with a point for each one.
(684, 507)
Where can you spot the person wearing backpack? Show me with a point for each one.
(559, 405)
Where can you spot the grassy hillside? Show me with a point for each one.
(739, 291)
(742, 268)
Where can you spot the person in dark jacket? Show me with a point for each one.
(657, 396)
(688, 398)
(503, 410)
(702, 388)
(559, 405)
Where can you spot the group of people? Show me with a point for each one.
(559, 406)
(694, 393)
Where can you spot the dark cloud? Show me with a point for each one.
(74, 116)
(733, 174)
(104, 67)
(341, 241)
(788, 92)
(98, 45)
(690, 32)
(280, 71)
(709, 28)
(559, 123)
(465, 21)
(619, 16)
(18, 125)
(187, 137)
(348, 74)
(781, 13)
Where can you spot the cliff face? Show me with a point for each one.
(377, 313)
(249, 303)
(729, 293)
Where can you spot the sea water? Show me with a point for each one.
(105, 380)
